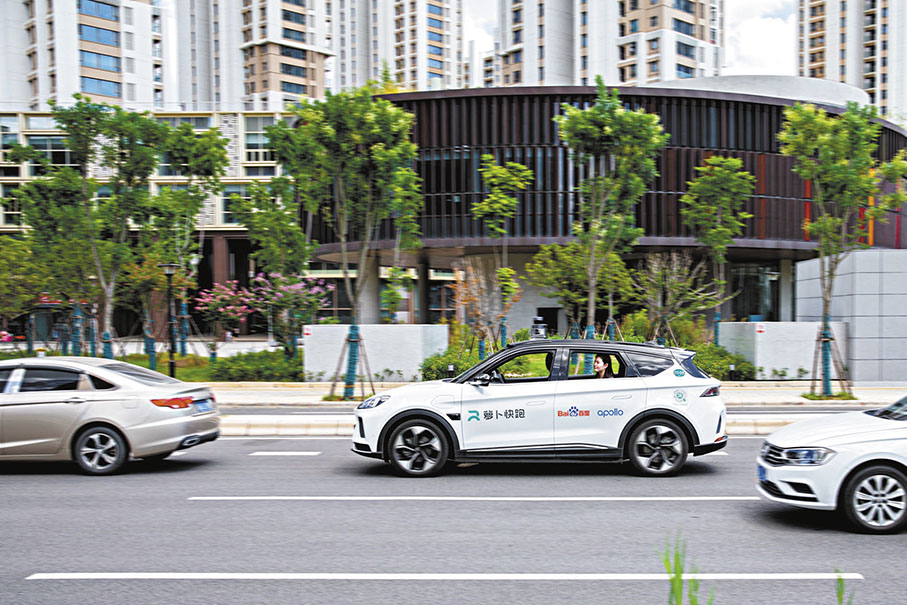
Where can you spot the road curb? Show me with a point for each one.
(342, 425)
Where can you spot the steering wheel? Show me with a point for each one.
(497, 377)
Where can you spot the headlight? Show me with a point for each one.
(373, 402)
(807, 456)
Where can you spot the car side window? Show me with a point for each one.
(100, 384)
(47, 379)
(529, 367)
(650, 365)
(4, 378)
(582, 364)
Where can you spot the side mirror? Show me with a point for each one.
(482, 380)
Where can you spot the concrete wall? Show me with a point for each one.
(388, 347)
(870, 294)
(782, 347)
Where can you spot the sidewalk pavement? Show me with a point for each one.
(739, 397)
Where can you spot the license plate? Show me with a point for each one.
(203, 405)
(761, 472)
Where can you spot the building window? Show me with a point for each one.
(292, 87)
(517, 36)
(518, 56)
(684, 71)
(653, 67)
(292, 34)
(653, 44)
(435, 64)
(295, 53)
(684, 28)
(293, 70)
(101, 36)
(256, 139)
(653, 21)
(686, 6)
(584, 18)
(99, 61)
(99, 9)
(517, 77)
(435, 23)
(518, 16)
(435, 37)
(100, 87)
(53, 148)
(435, 50)
(686, 50)
(584, 41)
(634, 26)
(293, 16)
(435, 10)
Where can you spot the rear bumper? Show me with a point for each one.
(708, 448)
(173, 434)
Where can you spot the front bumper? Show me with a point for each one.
(814, 487)
(708, 448)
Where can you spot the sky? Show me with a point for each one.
(759, 34)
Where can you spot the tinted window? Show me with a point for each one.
(649, 365)
(688, 365)
(140, 374)
(100, 385)
(41, 379)
(4, 377)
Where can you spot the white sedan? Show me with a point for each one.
(854, 462)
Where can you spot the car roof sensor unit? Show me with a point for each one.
(538, 330)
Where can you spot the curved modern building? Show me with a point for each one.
(454, 128)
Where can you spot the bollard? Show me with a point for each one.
(184, 328)
(717, 321)
(450, 370)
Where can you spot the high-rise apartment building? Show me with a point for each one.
(628, 42)
(857, 42)
(222, 55)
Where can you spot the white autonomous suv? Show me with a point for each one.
(551, 400)
(854, 462)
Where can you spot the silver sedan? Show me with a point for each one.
(99, 413)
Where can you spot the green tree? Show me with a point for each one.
(559, 272)
(271, 216)
(19, 278)
(617, 149)
(359, 145)
(836, 155)
(672, 287)
(713, 206)
(499, 205)
(406, 204)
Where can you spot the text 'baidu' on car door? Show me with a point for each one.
(551, 400)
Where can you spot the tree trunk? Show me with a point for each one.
(107, 326)
(590, 307)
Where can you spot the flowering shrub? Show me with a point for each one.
(226, 305)
(291, 301)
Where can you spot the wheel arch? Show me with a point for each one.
(93, 424)
(895, 464)
(659, 413)
(418, 414)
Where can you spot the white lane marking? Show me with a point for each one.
(315, 438)
(285, 454)
(176, 454)
(456, 577)
(717, 454)
(478, 498)
(736, 437)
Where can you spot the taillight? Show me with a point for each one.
(173, 402)
(710, 392)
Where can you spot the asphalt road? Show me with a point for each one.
(321, 513)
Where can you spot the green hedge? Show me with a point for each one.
(435, 366)
(262, 366)
(715, 360)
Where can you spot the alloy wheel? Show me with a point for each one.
(658, 447)
(100, 451)
(417, 448)
(880, 501)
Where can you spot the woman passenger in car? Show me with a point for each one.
(602, 366)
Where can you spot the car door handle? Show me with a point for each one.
(622, 397)
(75, 400)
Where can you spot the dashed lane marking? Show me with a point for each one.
(285, 454)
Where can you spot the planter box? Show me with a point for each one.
(396, 347)
(780, 346)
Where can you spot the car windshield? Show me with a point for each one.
(139, 374)
(896, 411)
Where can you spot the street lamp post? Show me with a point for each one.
(169, 270)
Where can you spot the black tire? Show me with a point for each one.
(100, 450)
(874, 500)
(417, 448)
(658, 448)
